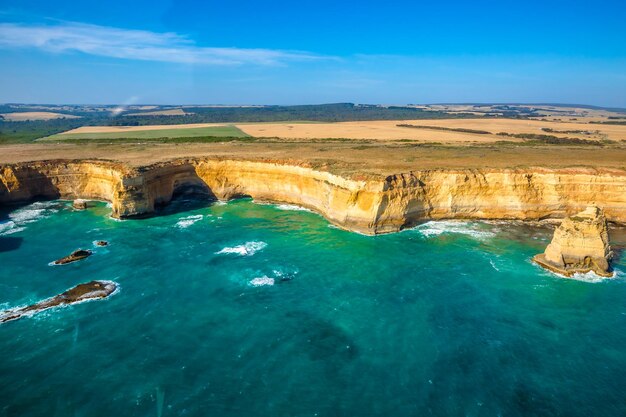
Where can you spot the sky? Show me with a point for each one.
(307, 52)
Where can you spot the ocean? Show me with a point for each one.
(246, 309)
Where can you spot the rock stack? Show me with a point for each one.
(580, 245)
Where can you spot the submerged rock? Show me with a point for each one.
(83, 292)
(102, 243)
(79, 204)
(77, 255)
(580, 244)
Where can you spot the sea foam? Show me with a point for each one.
(590, 277)
(247, 249)
(291, 207)
(261, 281)
(185, 222)
(25, 215)
(436, 228)
(284, 206)
(493, 265)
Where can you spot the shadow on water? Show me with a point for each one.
(43, 193)
(9, 243)
(190, 196)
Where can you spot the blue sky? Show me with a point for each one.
(298, 52)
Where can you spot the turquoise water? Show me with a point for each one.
(243, 309)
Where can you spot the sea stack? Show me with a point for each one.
(80, 204)
(580, 245)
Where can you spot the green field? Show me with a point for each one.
(196, 132)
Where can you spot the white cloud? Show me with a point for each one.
(138, 45)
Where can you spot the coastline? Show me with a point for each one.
(364, 203)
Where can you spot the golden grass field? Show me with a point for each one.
(36, 115)
(387, 130)
(347, 158)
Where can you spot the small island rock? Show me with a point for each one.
(88, 291)
(580, 244)
(102, 243)
(77, 255)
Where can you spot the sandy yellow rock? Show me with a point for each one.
(365, 204)
(580, 244)
(79, 204)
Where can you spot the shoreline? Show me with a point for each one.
(367, 204)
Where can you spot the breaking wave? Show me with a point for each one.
(185, 222)
(590, 277)
(261, 281)
(247, 249)
(436, 228)
(291, 207)
(29, 214)
(283, 206)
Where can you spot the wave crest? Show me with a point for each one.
(436, 228)
(31, 213)
(261, 281)
(247, 249)
(185, 222)
(291, 207)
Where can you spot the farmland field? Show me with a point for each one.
(391, 130)
(35, 115)
(149, 132)
(469, 131)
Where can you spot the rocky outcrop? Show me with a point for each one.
(77, 255)
(366, 204)
(102, 243)
(580, 245)
(83, 292)
(79, 204)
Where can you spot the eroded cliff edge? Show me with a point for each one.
(370, 205)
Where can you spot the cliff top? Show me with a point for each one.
(349, 159)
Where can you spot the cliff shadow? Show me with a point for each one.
(617, 240)
(35, 186)
(8, 243)
(38, 187)
(190, 194)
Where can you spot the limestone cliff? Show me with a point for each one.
(369, 205)
(60, 179)
(580, 244)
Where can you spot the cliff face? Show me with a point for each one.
(59, 179)
(368, 206)
(503, 194)
(580, 244)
